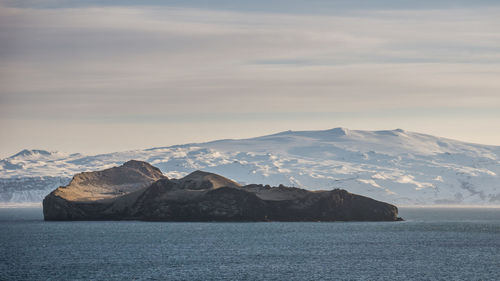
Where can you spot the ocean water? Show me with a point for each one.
(432, 244)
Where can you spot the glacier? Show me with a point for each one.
(396, 166)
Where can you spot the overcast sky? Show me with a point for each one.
(94, 76)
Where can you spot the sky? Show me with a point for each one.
(97, 76)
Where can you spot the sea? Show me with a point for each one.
(431, 244)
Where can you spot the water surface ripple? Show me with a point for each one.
(433, 244)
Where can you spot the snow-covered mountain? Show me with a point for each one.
(394, 166)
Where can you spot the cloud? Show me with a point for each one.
(111, 62)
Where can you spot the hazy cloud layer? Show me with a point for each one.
(142, 72)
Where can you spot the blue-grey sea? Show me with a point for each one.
(432, 244)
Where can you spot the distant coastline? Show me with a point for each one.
(21, 205)
(39, 205)
(452, 206)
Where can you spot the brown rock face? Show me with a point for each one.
(90, 195)
(138, 191)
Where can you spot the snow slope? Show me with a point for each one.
(394, 165)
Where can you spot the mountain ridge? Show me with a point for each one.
(397, 166)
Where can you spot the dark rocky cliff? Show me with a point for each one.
(138, 191)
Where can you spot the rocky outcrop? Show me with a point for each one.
(138, 191)
(96, 195)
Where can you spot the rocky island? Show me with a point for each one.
(138, 191)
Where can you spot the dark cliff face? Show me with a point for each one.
(203, 196)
